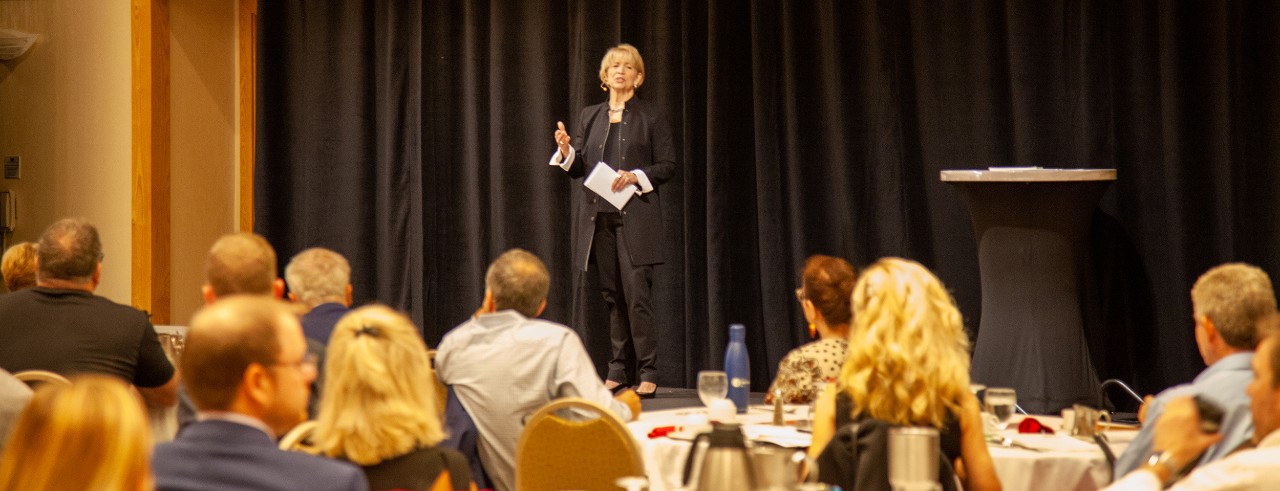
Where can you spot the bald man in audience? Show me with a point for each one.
(249, 376)
(320, 281)
(60, 325)
(1228, 303)
(244, 263)
(504, 363)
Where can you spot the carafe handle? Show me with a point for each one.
(688, 460)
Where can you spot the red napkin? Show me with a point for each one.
(662, 431)
(1032, 425)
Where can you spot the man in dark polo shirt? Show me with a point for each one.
(61, 326)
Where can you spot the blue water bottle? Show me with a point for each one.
(737, 367)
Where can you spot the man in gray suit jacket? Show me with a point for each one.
(249, 375)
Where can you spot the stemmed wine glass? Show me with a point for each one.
(712, 385)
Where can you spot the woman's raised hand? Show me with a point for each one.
(562, 139)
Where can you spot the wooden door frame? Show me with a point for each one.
(151, 151)
(248, 97)
(149, 42)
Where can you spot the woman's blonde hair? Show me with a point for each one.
(92, 434)
(19, 266)
(624, 52)
(379, 393)
(908, 361)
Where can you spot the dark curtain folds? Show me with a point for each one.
(413, 137)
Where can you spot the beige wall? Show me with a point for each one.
(65, 109)
(203, 131)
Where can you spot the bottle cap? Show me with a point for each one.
(737, 332)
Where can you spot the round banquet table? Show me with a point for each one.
(1058, 462)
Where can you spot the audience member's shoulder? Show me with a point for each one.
(548, 327)
(108, 306)
(18, 297)
(324, 470)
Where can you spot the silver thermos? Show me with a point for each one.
(725, 465)
(913, 459)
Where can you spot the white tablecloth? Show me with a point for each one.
(1065, 464)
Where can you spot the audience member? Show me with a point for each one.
(825, 286)
(382, 379)
(909, 366)
(1179, 441)
(91, 434)
(320, 280)
(14, 397)
(1228, 302)
(504, 364)
(19, 266)
(243, 263)
(61, 326)
(249, 375)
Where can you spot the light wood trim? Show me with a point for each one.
(151, 157)
(248, 94)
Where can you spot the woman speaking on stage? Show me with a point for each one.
(632, 138)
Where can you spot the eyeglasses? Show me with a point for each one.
(311, 360)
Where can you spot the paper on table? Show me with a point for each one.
(1059, 443)
(601, 180)
(782, 436)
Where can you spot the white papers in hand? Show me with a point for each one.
(601, 180)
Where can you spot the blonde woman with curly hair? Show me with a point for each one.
(92, 434)
(908, 365)
(379, 405)
(18, 266)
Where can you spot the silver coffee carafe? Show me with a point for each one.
(725, 465)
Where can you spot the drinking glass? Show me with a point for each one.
(712, 385)
(1000, 402)
(632, 483)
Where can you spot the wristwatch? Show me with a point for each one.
(1166, 461)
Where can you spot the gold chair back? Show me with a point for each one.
(35, 378)
(587, 448)
(299, 438)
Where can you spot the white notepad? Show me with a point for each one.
(601, 180)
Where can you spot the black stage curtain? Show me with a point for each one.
(413, 137)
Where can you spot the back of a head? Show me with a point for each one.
(379, 374)
(223, 340)
(92, 434)
(1235, 297)
(241, 263)
(19, 266)
(908, 360)
(318, 275)
(70, 249)
(519, 281)
(827, 282)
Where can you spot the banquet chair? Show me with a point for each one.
(574, 443)
(299, 438)
(36, 378)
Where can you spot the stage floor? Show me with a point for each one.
(674, 398)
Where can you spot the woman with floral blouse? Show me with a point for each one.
(826, 285)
